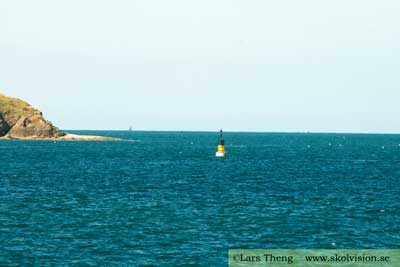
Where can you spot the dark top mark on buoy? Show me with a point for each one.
(221, 140)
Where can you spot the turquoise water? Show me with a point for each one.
(165, 200)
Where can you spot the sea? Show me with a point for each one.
(164, 199)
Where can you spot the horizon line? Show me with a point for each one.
(230, 131)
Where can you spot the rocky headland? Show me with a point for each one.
(19, 120)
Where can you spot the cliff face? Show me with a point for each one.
(19, 120)
(4, 127)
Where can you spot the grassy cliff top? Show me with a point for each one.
(12, 109)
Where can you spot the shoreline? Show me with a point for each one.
(66, 137)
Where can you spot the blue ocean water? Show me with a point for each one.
(163, 199)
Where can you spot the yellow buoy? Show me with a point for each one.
(221, 147)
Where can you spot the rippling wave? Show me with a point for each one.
(166, 200)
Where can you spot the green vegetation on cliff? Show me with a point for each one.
(18, 119)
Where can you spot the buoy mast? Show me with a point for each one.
(221, 146)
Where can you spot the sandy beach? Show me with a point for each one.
(66, 137)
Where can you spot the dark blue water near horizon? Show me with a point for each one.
(163, 199)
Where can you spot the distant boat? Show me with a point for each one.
(130, 128)
(221, 146)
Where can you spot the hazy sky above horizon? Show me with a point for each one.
(325, 66)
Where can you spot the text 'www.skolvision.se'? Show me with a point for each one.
(314, 258)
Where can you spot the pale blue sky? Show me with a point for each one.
(324, 66)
